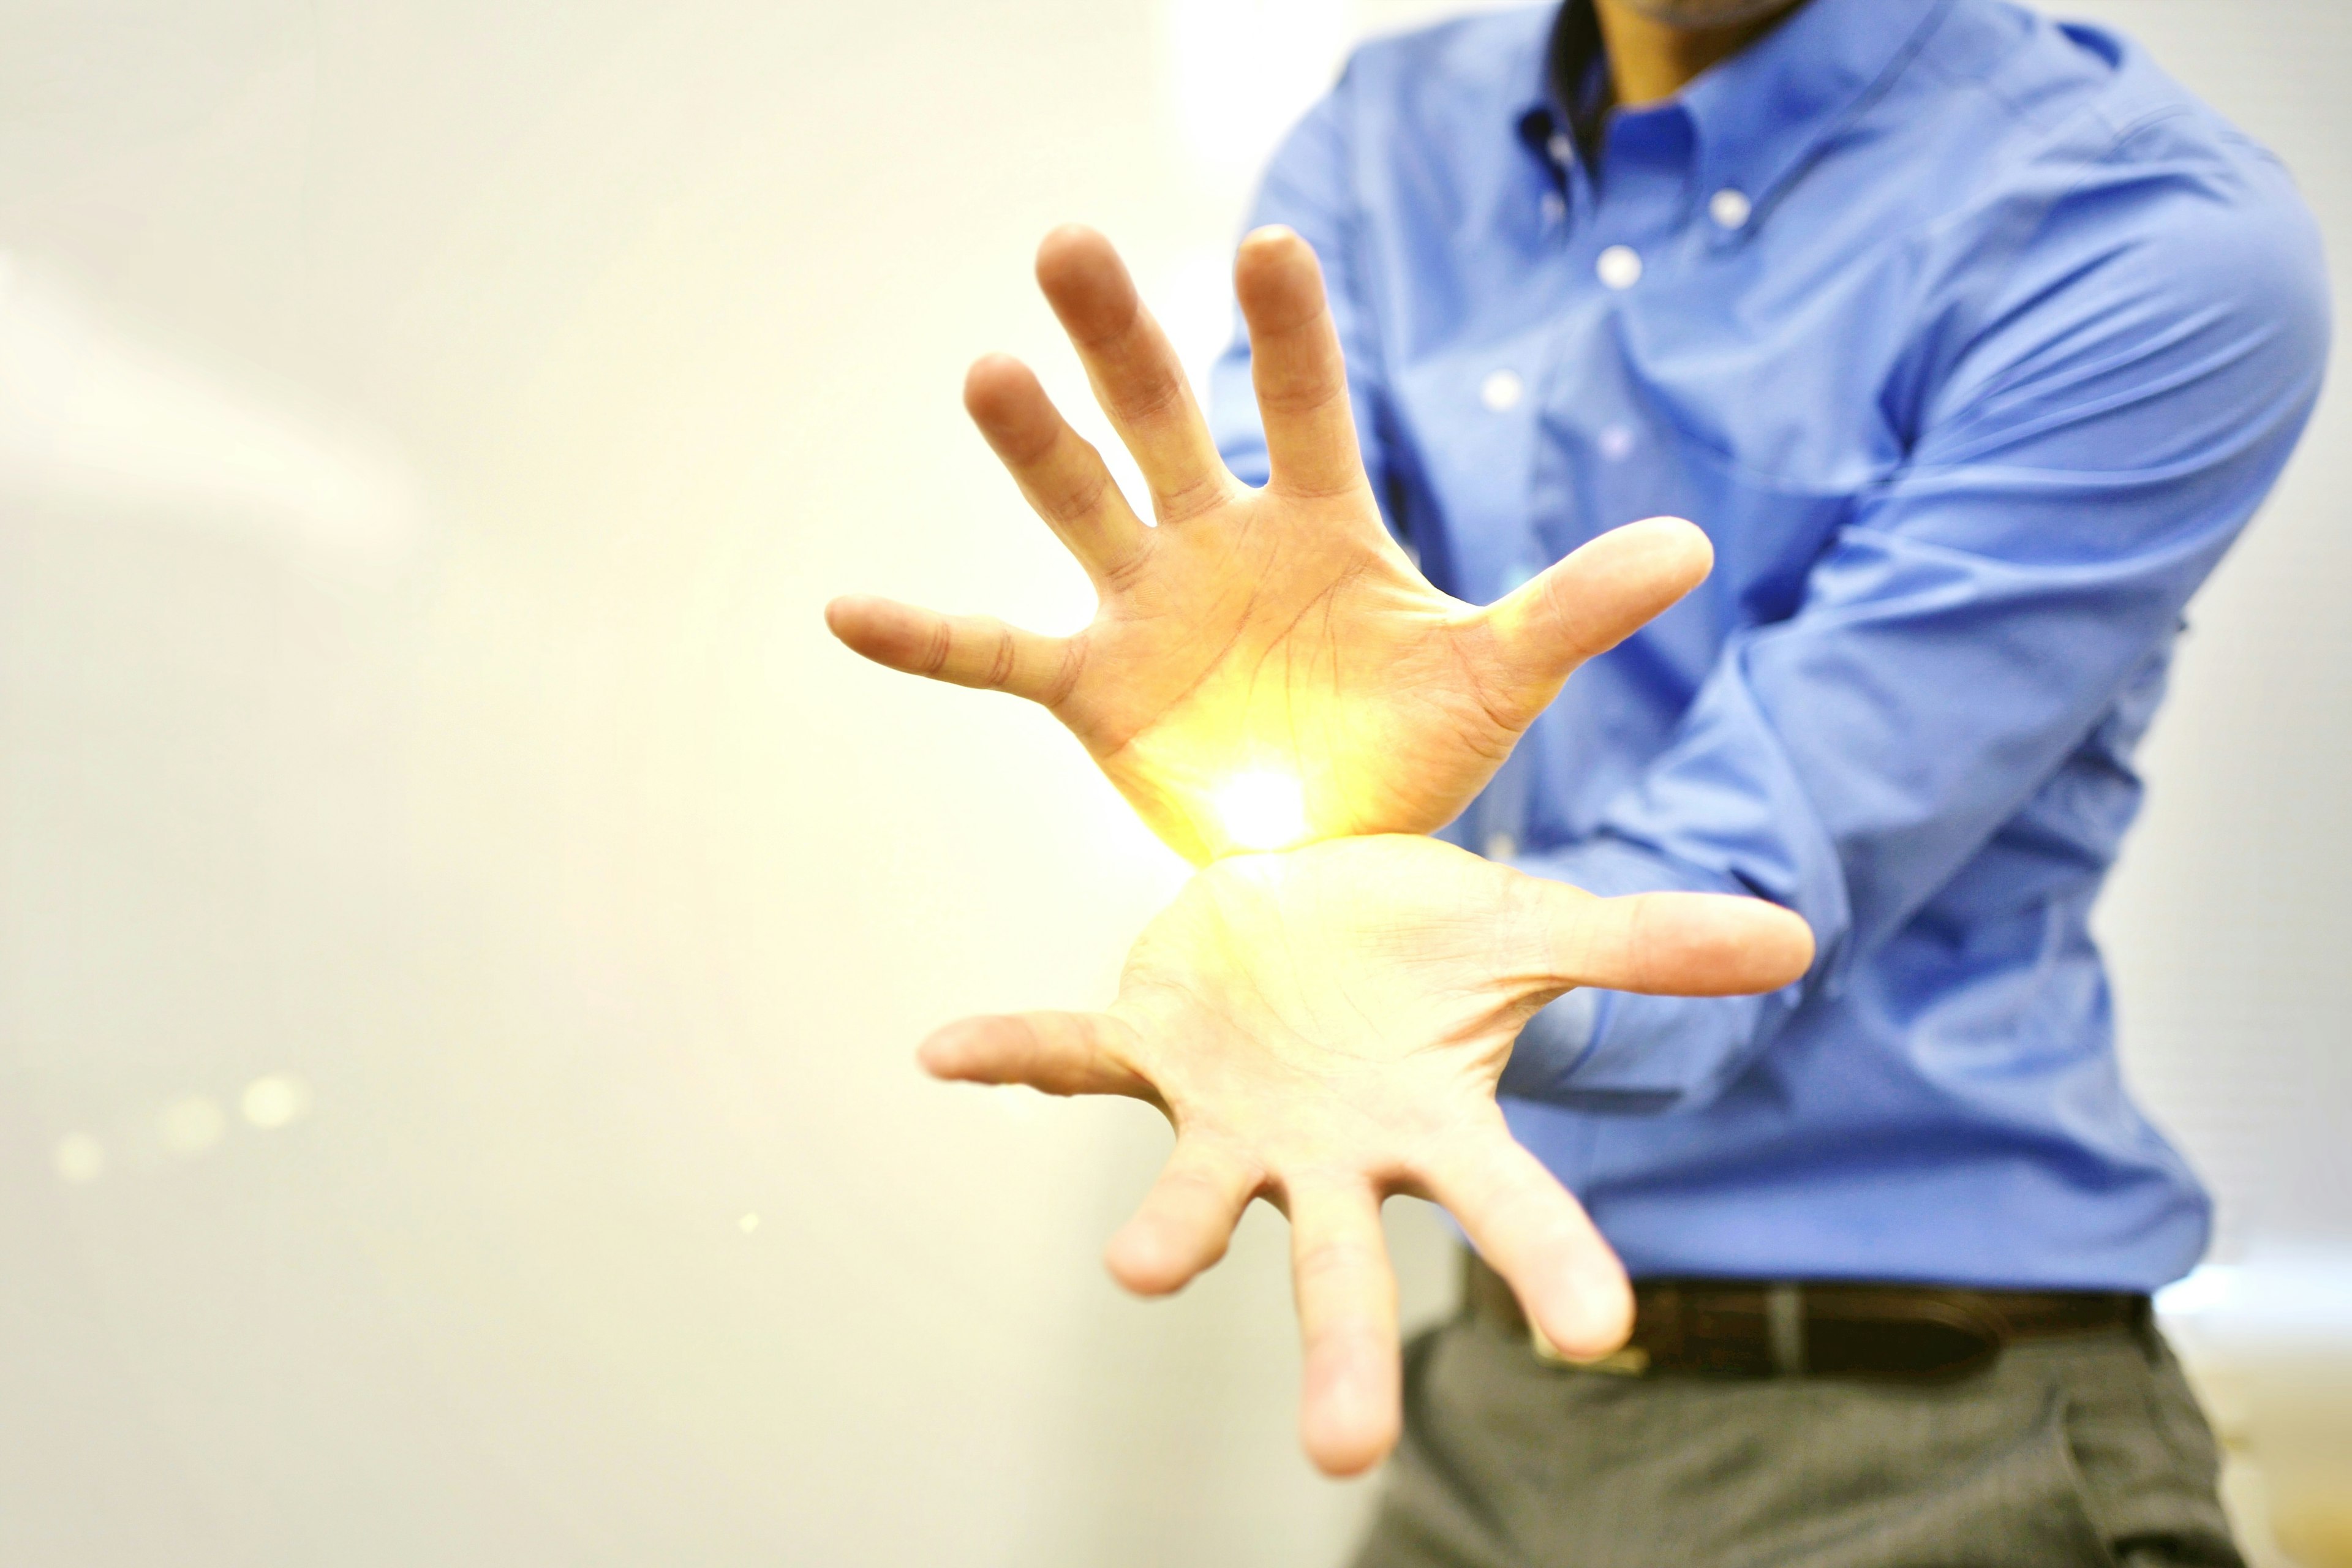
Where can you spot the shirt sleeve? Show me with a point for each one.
(2100, 418)
(1308, 187)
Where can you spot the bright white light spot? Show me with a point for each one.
(1241, 72)
(1500, 392)
(192, 1126)
(1192, 297)
(749, 1223)
(2208, 1287)
(275, 1101)
(1620, 266)
(80, 1158)
(1263, 810)
(1728, 208)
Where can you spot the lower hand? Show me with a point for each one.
(1326, 1027)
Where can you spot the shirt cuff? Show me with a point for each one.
(1552, 1043)
(1609, 1050)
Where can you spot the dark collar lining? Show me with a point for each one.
(1576, 72)
(1760, 116)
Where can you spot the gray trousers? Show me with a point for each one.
(2088, 1449)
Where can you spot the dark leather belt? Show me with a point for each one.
(1734, 1328)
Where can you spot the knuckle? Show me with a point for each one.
(1196, 498)
(1145, 394)
(938, 644)
(1123, 573)
(1079, 498)
(1002, 659)
(1064, 680)
(1301, 392)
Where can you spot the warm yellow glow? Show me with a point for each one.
(80, 1157)
(1262, 810)
(278, 1101)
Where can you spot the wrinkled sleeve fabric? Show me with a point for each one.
(1309, 188)
(2112, 372)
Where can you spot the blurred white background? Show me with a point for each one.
(463, 925)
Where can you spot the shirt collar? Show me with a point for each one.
(1760, 117)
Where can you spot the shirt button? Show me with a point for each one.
(1561, 149)
(1620, 266)
(1500, 391)
(1501, 846)
(1728, 208)
(1616, 443)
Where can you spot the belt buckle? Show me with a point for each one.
(1626, 1361)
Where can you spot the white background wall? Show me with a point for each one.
(427, 433)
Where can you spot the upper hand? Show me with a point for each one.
(1325, 1028)
(1271, 635)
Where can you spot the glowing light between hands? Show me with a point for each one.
(1261, 811)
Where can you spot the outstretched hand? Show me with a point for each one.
(1274, 642)
(1325, 1028)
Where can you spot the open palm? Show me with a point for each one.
(1258, 640)
(1326, 1026)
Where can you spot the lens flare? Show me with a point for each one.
(1261, 811)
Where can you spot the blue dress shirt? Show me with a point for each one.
(1972, 340)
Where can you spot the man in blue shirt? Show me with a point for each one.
(1971, 340)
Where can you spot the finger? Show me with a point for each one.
(1600, 595)
(1348, 1407)
(1185, 1220)
(1675, 944)
(1136, 374)
(1060, 1053)
(1296, 367)
(966, 650)
(1063, 476)
(1525, 1223)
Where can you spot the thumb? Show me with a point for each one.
(1059, 1052)
(1600, 595)
(1675, 944)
